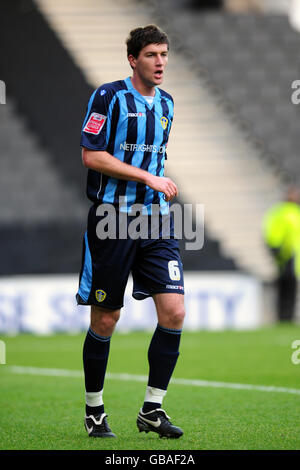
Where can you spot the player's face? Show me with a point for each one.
(150, 64)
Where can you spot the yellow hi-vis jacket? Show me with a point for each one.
(281, 230)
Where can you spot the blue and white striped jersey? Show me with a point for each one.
(121, 121)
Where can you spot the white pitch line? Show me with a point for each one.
(143, 378)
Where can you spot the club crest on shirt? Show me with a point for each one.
(164, 122)
(95, 123)
(100, 295)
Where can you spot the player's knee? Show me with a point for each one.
(109, 321)
(103, 322)
(175, 316)
(179, 314)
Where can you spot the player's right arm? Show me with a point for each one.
(109, 165)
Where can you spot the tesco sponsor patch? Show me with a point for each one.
(95, 123)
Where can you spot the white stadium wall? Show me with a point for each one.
(46, 304)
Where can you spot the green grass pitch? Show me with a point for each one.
(46, 412)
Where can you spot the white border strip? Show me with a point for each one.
(143, 378)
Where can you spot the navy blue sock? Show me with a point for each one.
(149, 406)
(94, 410)
(95, 357)
(163, 353)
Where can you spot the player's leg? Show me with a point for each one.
(170, 310)
(95, 356)
(105, 269)
(163, 350)
(103, 321)
(159, 273)
(163, 353)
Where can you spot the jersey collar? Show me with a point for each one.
(140, 97)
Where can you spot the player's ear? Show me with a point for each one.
(132, 61)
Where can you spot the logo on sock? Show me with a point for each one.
(100, 295)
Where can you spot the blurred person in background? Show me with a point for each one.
(281, 231)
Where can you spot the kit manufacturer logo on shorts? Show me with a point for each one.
(100, 295)
(170, 286)
(164, 122)
(95, 123)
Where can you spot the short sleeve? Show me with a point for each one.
(94, 134)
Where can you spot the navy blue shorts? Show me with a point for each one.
(154, 263)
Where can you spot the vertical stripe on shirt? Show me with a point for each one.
(121, 132)
(149, 139)
(161, 156)
(115, 114)
(131, 137)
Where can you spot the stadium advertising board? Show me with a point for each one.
(46, 304)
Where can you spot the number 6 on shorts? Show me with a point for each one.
(174, 271)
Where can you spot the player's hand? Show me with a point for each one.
(164, 185)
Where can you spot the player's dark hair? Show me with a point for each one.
(141, 37)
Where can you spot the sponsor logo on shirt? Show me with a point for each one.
(142, 148)
(95, 123)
